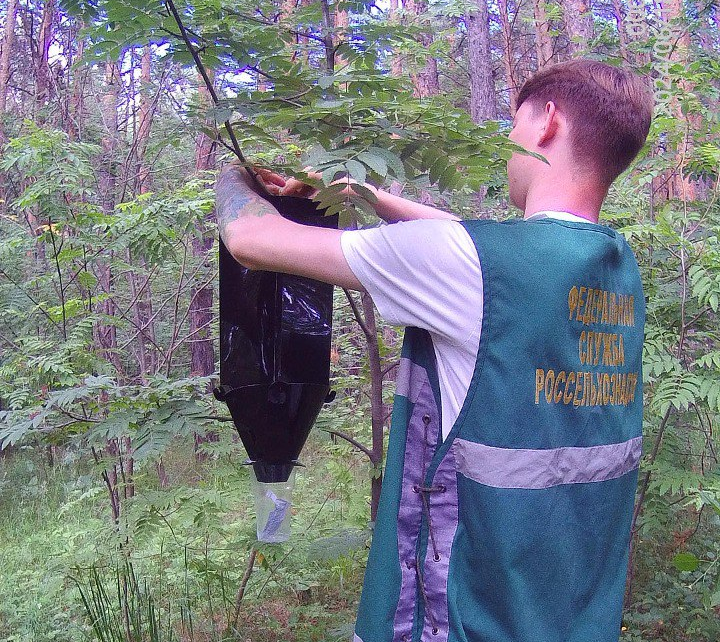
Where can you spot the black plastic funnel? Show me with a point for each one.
(274, 352)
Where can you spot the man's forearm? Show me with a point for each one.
(235, 199)
(393, 208)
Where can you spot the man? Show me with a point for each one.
(512, 463)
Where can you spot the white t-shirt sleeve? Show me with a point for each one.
(424, 274)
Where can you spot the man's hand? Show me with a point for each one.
(280, 186)
(264, 180)
(276, 184)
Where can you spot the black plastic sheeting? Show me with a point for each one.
(275, 333)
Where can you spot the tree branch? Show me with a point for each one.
(243, 586)
(352, 441)
(206, 78)
(357, 313)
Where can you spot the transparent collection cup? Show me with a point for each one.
(273, 506)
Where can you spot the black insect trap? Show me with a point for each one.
(274, 367)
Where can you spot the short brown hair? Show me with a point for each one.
(609, 111)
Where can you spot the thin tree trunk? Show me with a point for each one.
(145, 118)
(579, 28)
(483, 105)
(139, 167)
(543, 39)
(42, 54)
(366, 320)
(508, 55)
(112, 480)
(377, 408)
(5, 56)
(426, 82)
(202, 351)
(105, 334)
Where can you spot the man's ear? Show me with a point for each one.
(550, 126)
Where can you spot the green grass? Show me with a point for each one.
(189, 545)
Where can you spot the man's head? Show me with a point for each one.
(583, 115)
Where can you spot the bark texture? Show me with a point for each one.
(202, 351)
(483, 104)
(76, 108)
(508, 55)
(681, 186)
(5, 56)
(398, 62)
(578, 25)
(426, 82)
(42, 55)
(543, 39)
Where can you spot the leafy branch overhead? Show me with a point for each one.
(367, 122)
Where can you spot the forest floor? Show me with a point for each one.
(189, 548)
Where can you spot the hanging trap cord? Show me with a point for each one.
(211, 90)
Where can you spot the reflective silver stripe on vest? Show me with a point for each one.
(409, 381)
(525, 468)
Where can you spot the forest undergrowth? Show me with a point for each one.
(186, 552)
(189, 562)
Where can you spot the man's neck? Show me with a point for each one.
(556, 196)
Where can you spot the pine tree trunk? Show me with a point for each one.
(508, 56)
(397, 62)
(202, 351)
(579, 27)
(76, 108)
(42, 55)
(341, 19)
(287, 8)
(5, 57)
(543, 40)
(483, 105)
(426, 82)
(683, 187)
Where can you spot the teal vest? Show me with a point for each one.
(516, 527)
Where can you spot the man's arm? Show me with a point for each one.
(259, 238)
(388, 207)
(394, 209)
